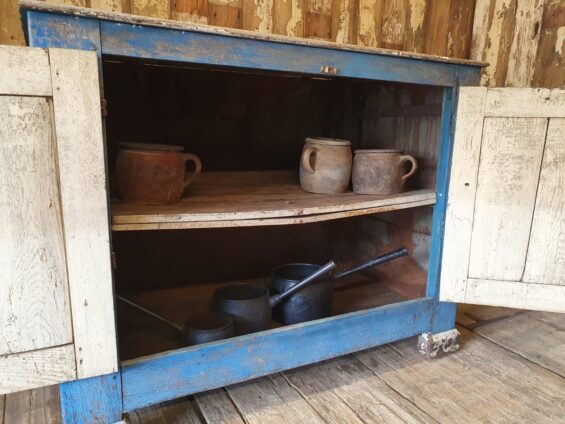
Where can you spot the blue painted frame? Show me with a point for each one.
(168, 375)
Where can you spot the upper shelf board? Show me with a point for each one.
(254, 198)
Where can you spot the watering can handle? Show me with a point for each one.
(373, 262)
(319, 273)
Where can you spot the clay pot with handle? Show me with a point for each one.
(153, 174)
(381, 171)
(325, 165)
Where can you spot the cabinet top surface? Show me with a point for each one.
(230, 32)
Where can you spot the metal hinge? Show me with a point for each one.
(113, 260)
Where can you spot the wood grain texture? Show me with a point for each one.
(550, 62)
(261, 222)
(318, 19)
(461, 196)
(414, 40)
(23, 371)
(190, 10)
(477, 378)
(225, 13)
(122, 6)
(180, 411)
(78, 3)
(344, 21)
(186, 371)
(24, 72)
(536, 336)
(393, 24)
(35, 311)
(346, 391)
(92, 400)
(523, 49)
(223, 196)
(257, 15)
(37, 5)
(288, 17)
(369, 23)
(472, 316)
(493, 31)
(510, 162)
(36, 406)
(437, 26)
(545, 262)
(272, 400)
(10, 26)
(459, 27)
(85, 214)
(516, 294)
(154, 8)
(217, 408)
(527, 103)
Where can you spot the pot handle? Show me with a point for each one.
(189, 157)
(408, 158)
(373, 262)
(275, 300)
(306, 154)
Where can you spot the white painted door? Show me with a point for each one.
(56, 300)
(504, 241)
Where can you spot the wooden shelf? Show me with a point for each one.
(142, 335)
(253, 198)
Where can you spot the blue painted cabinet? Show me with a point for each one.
(235, 97)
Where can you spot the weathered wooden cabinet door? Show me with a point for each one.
(504, 239)
(56, 300)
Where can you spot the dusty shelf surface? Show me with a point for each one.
(141, 335)
(253, 198)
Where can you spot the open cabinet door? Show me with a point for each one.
(504, 241)
(56, 298)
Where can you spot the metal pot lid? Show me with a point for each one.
(151, 146)
(328, 141)
(378, 151)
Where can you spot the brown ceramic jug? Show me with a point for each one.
(153, 174)
(325, 165)
(381, 171)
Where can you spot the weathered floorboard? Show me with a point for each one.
(475, 384)
(537, 336)
(272, 400)
(217, 408)
(37, 406)
(345, 390)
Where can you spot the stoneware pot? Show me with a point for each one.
(325, 165)
(153, 174)
(381, 171)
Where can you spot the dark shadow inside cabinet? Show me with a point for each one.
(236, 122)
(175, 273)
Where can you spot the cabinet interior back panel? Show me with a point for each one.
(34, 288)
(509, 171)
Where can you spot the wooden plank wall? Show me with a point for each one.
(524, 40)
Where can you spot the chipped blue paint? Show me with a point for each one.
(92, 400)
(146, 42)
(146, 381)
(191, 370)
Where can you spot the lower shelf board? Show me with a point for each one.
(256, 198)
(141, 335)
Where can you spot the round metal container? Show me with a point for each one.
(312, 302)
(207, 327)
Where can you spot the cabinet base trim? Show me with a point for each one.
(182, 372)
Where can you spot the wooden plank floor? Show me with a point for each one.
(511, 369)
